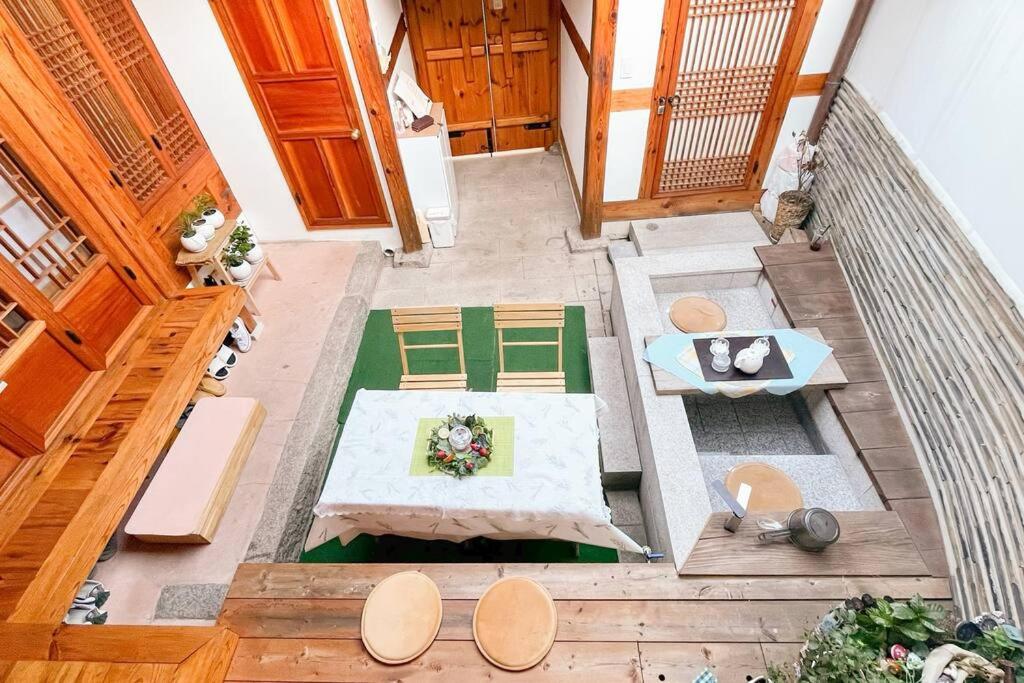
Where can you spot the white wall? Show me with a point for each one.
(188, 38)
(573, 84)
(943, 76)
(384, 16)
(636, 56)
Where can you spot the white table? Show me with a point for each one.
(554, 493)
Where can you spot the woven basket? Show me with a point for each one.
(794, 207)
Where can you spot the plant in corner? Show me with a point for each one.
(190, 239)
(245, 244)
(796, 205)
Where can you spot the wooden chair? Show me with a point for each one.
(429, 319)
(530, 316)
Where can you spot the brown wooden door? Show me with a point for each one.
(495, 99)
(288, 53)
(726, 74)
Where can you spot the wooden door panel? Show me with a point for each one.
(306, 100)
(253, 23)
(316, 106)
(41, 383)
(103, 309)
(319, 200)
(305, 32)
(352, 171)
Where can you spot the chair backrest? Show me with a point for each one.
(528, 316)
(428, 319)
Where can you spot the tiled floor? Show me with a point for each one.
(511, 245)
(753, 425)
(275, 372)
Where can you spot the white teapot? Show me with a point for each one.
(749, 361)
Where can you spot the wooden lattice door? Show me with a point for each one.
(727, 71)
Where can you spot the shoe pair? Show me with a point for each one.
(226, 358)
(85, 609)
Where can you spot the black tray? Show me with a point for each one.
(775, 365)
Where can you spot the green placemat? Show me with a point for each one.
(502, 462)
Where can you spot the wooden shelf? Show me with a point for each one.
(213, 247)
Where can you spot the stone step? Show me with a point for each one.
(820, 478)
(696, 233)
(620, 459)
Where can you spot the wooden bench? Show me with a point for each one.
(189, 493)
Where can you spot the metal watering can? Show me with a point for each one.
(811, 529)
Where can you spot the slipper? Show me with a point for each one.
(212, 387)
(228, 356)
(85, 615)
(239, 332)
(91, 594)
(216, 369)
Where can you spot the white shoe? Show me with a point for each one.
(227, 356)
(217, 369)
(239, 332)
(85, 615)
(91, 594)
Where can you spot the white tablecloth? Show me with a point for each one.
(555, 491)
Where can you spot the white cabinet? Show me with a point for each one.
(427, 159)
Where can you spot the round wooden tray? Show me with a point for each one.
(697, 314)
(515, 623)
(401, 617)
(773, 490)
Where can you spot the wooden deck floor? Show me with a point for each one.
(737, 606)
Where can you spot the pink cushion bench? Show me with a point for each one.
(190, 491)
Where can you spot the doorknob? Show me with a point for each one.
(355, 134)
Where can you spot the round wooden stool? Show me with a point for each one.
(697, 314)
(773, 490)
(515, 622)
(401, 617)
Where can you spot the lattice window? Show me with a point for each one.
(12, 321)
(60, 46)
(40, 241)
(119, 34)
(727, 68)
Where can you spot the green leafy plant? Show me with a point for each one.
(185, 220)
(202, 202)
(188, 231)
(885, 623)
(241, 239)
(995, 645)
(232, 259)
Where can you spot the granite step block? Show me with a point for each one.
(689, 233)
(620, 458)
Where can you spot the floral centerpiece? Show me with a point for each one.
(460, 446)
(887, 641)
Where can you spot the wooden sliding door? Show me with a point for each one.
(727, 71)
(494, 66)
(288, 53)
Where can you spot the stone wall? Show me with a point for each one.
(950, 338)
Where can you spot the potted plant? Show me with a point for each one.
(191, 240)
(206, 207)
(245, 243)
(239, 269)
(796, 205)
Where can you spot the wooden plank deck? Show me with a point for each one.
(811, 289)
(616, 622)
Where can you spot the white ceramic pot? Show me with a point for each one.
(195, 243)
(255, 254)
(241, 273)
(214, 217)
(203, 228)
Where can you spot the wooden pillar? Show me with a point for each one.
(371, 81)
(599, 101)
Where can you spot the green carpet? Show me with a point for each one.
(378, 366)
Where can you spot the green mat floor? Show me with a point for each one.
(378, 366)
